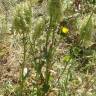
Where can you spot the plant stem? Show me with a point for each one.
(23, 64)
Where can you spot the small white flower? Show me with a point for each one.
(25, 71)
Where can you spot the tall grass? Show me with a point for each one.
(40, 40)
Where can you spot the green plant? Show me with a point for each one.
(51, 63)
(45, 47)
(22, 26)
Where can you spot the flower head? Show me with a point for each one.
(64, 30)
(25, 71)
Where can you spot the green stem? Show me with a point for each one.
(49, 52)
(23, 64)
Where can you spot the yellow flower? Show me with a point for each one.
(64, 30)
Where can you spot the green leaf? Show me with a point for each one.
(92, 1)
(66, 58)
(45, 87)
(86, 31)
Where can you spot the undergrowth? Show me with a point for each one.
(58, 47)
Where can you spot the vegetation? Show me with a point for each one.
(48, 48)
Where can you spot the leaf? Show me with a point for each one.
(66, 58)
(45, 87)
(86, 31)
(92, 1)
